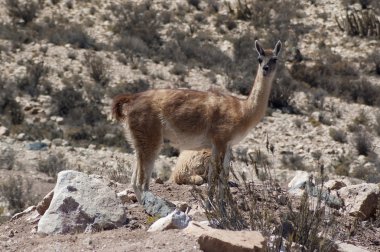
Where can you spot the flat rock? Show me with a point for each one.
(36, 146)
(215, 240)
(346, 247)
(82, 202)
(360, 200)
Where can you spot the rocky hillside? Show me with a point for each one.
(62, 62)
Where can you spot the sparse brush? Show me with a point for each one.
(53, 164)
(179, 69)
(97, 69)
(361, 118)
(135, 86)
(363, 143)
(377, 123)
(17, 193)
(342, 165)
(138, 26)
(31, 82)
(338, 135)
(293, 162)
(119, 170)
(74, 34)
(7, 158)
(23, 10)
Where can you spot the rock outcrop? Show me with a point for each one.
(360, 200)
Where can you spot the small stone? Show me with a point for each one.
(21, 136)
(159, 181)
(11, 234)
(4, 131)
(127, 196)
(57, 141)
(44, 204)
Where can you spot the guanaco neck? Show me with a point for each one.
(257, 101)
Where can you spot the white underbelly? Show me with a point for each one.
(186, 141)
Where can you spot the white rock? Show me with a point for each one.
(4, 131)
(175, 220)
(299, 180)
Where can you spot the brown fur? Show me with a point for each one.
(191, 167)
(191, 120)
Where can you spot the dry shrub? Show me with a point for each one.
(253, 206)
(338, 135)
(23, 10)
(53, 164)
(138, 27)
(17, 192)
(338, 78)
(7, 158)
(363, 143)
(97, 69)
(135, 86)
(32, 82)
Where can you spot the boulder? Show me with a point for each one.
(82, 202)
(360, 200)
(211, 239)
(175, 220)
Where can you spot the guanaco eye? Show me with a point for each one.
(274, 60)
(260, 60)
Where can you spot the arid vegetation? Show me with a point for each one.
(63, 62)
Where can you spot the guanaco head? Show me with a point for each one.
(268, 58)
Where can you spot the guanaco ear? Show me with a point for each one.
(259, 49)
(277, 48)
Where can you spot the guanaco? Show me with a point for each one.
(192, 120)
